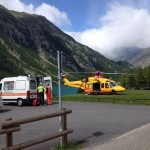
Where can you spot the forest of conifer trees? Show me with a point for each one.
(136, 78)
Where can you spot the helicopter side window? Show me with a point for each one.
(106, 85)
(102, 85)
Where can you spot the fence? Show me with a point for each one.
(10, 126)
(114, 100)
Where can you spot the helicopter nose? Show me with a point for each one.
(122, 88)
(119, 88)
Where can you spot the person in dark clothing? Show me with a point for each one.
(40, 91)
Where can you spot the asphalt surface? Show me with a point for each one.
(137, 139)
(94, 124)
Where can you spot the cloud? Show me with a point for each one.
(59, 18)
(122, 26)
(52, 14)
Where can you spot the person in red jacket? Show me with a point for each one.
(48, 94)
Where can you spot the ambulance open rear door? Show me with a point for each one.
(46, 81)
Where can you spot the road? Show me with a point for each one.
(137, 139)
(93, 123)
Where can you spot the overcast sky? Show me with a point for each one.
(103, 25)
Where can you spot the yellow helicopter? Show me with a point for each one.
(96, 84)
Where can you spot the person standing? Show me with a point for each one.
(40, 91)
(48, 94)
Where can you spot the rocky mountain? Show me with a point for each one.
(142, 59)
(126, 54)
(29, 45)
(137, 57)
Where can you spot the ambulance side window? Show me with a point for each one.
(32, 84)
(9, 85)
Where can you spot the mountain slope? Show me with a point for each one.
(29, 45)
(126, 54)
(142, 59)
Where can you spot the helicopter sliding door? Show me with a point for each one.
(96, 88)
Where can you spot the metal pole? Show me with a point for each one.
(59, 93)
(59, 80)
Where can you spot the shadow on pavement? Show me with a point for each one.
(96, 134)
(4, 110)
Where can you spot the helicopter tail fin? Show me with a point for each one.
(66, 81)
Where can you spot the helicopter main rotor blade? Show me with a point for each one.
(79, 72)
(111, 73)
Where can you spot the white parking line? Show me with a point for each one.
(133, 131)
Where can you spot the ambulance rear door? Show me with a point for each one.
(32, 88)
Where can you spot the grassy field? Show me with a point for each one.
(141, 97)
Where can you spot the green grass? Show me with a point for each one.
(70, 146)
(141, 97)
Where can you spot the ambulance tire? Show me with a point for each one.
(20, 102)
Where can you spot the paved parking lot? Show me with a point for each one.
(93, 123)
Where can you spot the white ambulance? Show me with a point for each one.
(21, 90)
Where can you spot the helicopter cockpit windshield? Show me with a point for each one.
(112, 84)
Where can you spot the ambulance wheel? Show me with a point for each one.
(20, 102)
